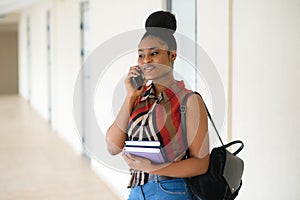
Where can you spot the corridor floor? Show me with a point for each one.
(36, 164)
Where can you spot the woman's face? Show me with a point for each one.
(154, 59)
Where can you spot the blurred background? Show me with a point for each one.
(254, 45)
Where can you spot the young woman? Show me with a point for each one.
(153, 113)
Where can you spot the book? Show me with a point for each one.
(155, 144)
(147, 149)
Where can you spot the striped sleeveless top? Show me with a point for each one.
(158, 119)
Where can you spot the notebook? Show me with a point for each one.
(147, 149)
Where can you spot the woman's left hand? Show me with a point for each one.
(138, 163)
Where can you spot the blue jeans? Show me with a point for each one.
(173, 189)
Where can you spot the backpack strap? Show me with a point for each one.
(183, 118)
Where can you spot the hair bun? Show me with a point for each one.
(161, 19)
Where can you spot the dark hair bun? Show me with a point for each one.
(161, 19)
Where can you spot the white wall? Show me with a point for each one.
(110, 18)
(66, 66)
(22, 56)
(38, 64)
(266, 96)
(212, 37)
(37, 56)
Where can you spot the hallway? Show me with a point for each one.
(36, 164)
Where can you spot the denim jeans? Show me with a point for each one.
(173, 189)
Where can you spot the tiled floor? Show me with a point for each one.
(35, 164)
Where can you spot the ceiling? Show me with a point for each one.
(9, 13)
(9, 6)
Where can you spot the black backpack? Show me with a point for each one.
(223, 179)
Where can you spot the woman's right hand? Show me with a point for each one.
(134, 71)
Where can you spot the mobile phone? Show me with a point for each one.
(138, 81)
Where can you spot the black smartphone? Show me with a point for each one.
(138, 81)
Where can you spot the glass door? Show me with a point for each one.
(185, 67)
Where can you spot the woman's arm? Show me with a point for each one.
(197, 133)
(116, 133)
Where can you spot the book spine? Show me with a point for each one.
(164, 154)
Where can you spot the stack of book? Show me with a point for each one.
(147, 149)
